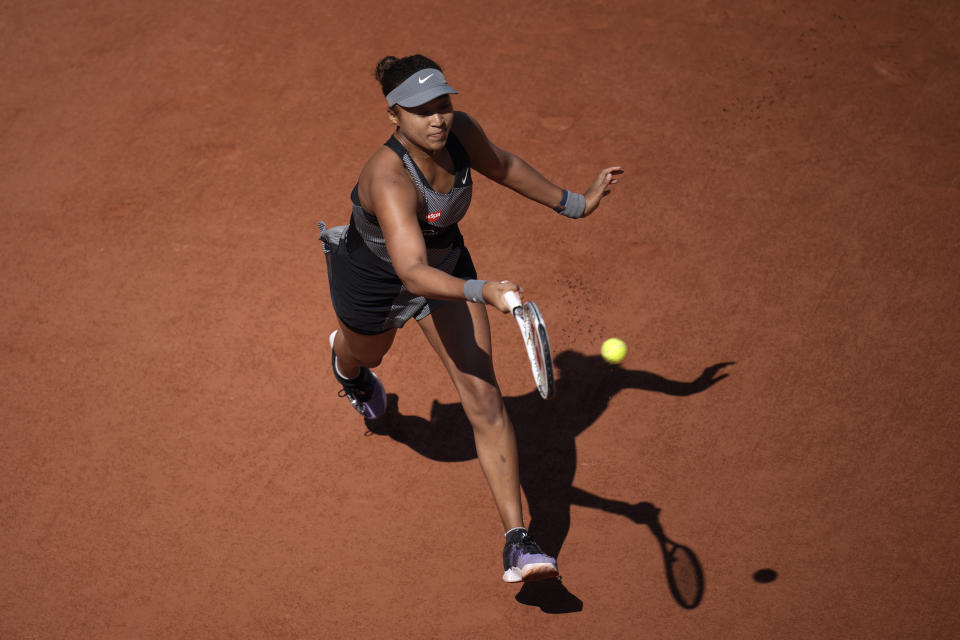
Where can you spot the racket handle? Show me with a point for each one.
(512, 298)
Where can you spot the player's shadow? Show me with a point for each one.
(546, 440)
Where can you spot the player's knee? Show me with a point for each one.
(368, 359)
(483, 405)
(364, 351)
(370, 362)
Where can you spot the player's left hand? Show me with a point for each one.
(600, 188)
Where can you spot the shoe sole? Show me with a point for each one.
(531, 573)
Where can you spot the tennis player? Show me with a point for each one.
(402, 256)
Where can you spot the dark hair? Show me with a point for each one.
(392, 71)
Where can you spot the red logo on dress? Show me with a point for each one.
(434, 216)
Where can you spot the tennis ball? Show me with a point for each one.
(614, 350)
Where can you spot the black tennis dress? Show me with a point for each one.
(367, 294)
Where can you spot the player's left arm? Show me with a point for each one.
(514, 172)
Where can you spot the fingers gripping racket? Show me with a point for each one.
(535, 339)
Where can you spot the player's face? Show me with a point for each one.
(427, 125)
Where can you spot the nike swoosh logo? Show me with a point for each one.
(466, 175)
(422, 80)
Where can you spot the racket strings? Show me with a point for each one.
(533, 351)
(537, 346)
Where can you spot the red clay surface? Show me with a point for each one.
(175, 460)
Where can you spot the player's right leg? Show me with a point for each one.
(353, 356)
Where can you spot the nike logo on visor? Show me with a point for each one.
(422, 80)
(466, 175)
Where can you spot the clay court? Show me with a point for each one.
(781, 258)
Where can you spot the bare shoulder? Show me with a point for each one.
(382, 174)
(466, 127)
(485, 156)
(384, 163)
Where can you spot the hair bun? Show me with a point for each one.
(392, 71)
(383, 67)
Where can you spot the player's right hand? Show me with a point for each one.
(493, 293)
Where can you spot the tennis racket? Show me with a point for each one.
(535, 340)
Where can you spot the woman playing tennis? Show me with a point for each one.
(402, 256)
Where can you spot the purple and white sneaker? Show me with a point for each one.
(365, 392)
(524, 560)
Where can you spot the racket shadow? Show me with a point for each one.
(684, 573)
(546, 441)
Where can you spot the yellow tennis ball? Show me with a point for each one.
(614, 350)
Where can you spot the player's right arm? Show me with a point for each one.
(394, 201)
